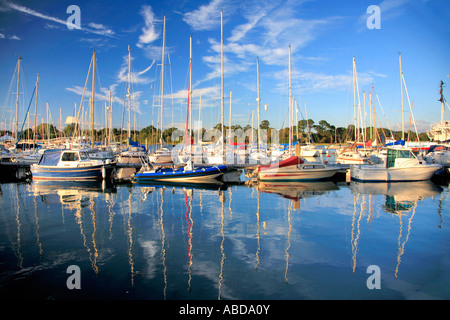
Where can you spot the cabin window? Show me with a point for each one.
(404, 154)
(69, 156)
(394, 154)
(83, 156)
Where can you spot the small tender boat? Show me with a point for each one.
(162, 155)
(61, 164)
(295, 169)
(351, 157)
(399, 165)
(133, 155)
(439, 154)
(187, 173)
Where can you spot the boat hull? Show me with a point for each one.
(181, 175)
(97, 172)
(378, 174)
(293, 173)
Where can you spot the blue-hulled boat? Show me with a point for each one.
(187, 173)
(69, 164)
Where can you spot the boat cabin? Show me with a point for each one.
(397, 156)
(62, 157)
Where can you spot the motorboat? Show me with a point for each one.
(351, 157)
(186, 173)
(296, 169)
(70, 164)
(400, 164)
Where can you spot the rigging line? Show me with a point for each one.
(26, 114)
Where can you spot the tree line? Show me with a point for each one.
(305, 131)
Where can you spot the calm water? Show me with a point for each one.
(300, 241)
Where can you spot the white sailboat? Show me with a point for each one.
(132, 155)
(350, 154)
(162, 155)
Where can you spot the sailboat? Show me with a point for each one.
(350, 155)
(186, 173)
(162, 155)
(73, 164)
(132, 155)
(309, 150)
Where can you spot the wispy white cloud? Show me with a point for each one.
(149, 32)
(268, 28)
(135, 97)
(92, 27)
(135, 77)
(311, 82)
(13, 37)
(207, 17)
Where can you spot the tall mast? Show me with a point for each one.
(258, 99)
(229, 129)
(162, 79)
(129, 97)
(17, 100)
(375, 131)
(109, 122)
(290, 100)
(189, 102)
(199, 117)
(401, 90)
(35, 112)
(354, 97)
(253, 111)
(442, 102)
(221, 86)
(93, 98)
(190, 93)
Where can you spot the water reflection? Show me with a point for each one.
(218, 241)
(401, 200)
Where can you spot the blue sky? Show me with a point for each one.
(324, 36)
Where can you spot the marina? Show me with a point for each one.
(218, 150)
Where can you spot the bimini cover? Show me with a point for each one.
(291, 161)
(50, 157)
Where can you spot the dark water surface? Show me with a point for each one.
(262, 241)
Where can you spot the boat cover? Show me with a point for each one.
(291, 161)
(50, 157)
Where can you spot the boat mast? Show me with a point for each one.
(35, 112)
(229, 129)
(375, 131)
(221, 86)
(162, 79)
(290, 101)
(188, 110)
(129, 98)
(17, 100)
(354, 97)
(93, 98)
(401, 90)
(442, 102)
(190, 96)
(258, 99)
